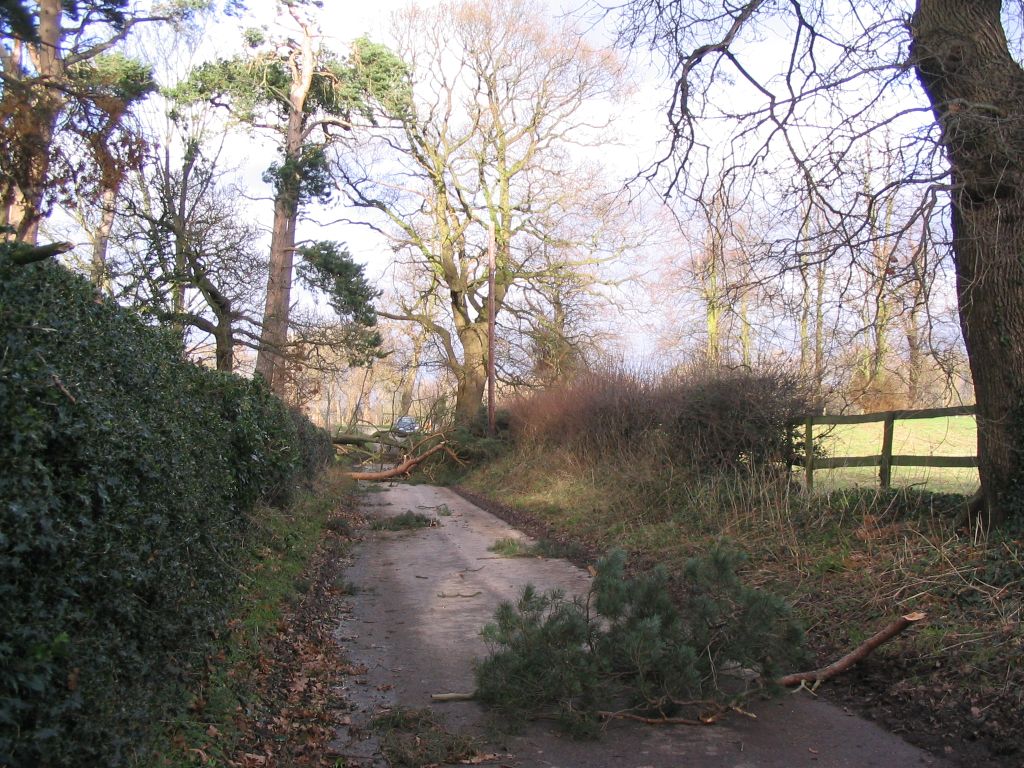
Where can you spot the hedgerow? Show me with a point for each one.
(129, 478)
(707, 419)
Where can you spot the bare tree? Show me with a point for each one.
(844, 71)
(498, 94)
(707, 284)
(183, 252)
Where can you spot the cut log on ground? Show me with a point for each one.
(452, 696)
(405, 467)
(818, 676)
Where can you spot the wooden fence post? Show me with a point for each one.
(886, 460)
(809, 454)
(885, 463)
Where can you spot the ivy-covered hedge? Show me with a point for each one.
(127, 479)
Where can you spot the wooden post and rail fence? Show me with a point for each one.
(886, 460)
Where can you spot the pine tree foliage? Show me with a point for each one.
(630, 646)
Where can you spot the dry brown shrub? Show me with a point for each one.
(710, 418)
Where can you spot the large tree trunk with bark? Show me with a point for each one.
(977, 94)
(270, 360)
(224, 331)
(99, 271)
(472, 374)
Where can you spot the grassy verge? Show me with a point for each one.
(849, 561)
(265, 643)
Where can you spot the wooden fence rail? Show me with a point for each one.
(885, 461)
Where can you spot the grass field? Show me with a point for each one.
(947, 436)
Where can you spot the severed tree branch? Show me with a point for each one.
(21, 254)
(381, 436)
(405, 467)
(818, 676)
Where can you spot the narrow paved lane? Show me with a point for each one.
(420, 601)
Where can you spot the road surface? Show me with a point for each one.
(421, 598)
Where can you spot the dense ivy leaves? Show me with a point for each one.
(631, 648)
(128, 475)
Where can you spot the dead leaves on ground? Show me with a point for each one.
(293, 710)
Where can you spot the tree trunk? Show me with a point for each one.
(357, 409)
(746, 343)
(98, 270)
(805, 297)
(976, 90)
(914, 358)
(915, 332)
(472, 374)
(805, 322)
(274, 338)
(270, 360)
(408, 391)
(225, 341)
(35, 118)
(712, 317)
(819, 330)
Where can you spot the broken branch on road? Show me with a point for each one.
(406, 466)
(818, 676)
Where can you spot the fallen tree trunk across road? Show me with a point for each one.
(381, 437)
(405, 466)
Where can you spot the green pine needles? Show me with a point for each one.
(629, 648)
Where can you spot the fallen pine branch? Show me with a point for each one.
(405, 467)
(818, 676)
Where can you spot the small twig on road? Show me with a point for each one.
(704, 720)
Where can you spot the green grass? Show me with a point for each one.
(407, 521)
(510, 547)
(946, 436)
(415, 738)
